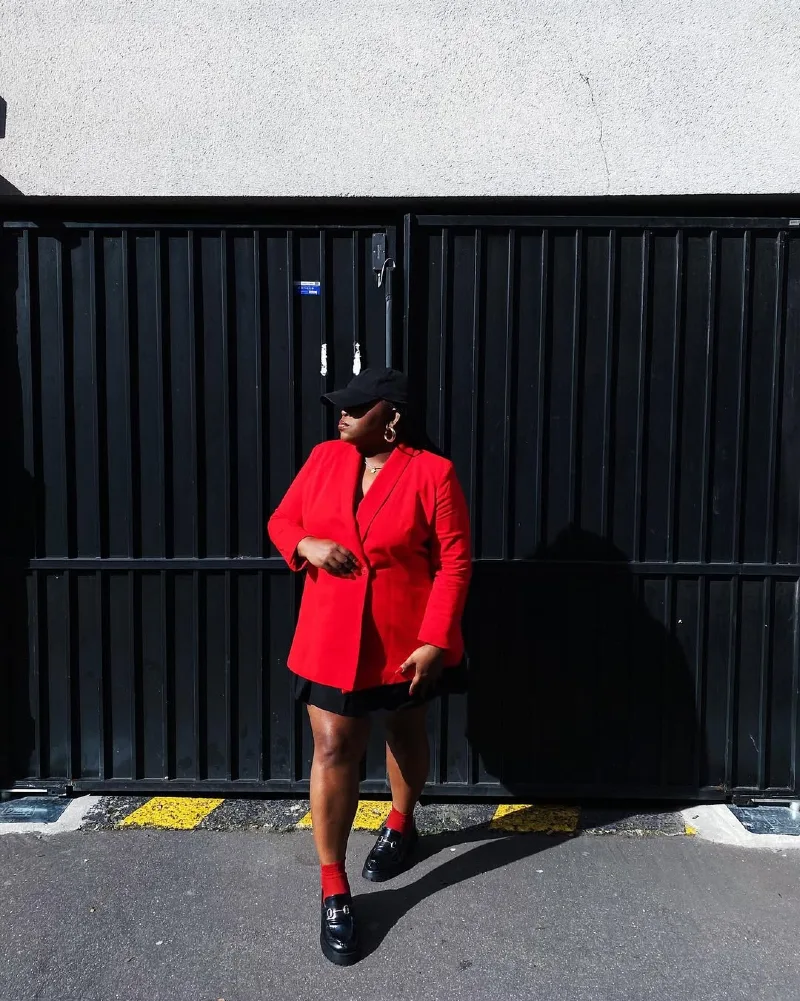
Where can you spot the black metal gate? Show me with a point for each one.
(163, 386)
(619, 398)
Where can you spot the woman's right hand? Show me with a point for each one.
(324, 554)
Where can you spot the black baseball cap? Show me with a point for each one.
(370, 385)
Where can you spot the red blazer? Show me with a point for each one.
(410, 534)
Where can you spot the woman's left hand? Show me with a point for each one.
(426, 663)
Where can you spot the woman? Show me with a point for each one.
(381, 529)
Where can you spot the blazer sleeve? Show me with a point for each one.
(285, 527)
(452, 563)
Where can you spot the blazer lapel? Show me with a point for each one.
(352, 466)
(379, 492)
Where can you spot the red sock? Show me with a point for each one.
(400, 822)
(334, 879)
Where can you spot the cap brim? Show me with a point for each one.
(347, 398)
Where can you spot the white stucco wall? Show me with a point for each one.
(405, 98)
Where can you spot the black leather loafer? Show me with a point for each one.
(390, 854)
(338, 934)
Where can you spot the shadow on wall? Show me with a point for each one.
(576, 687)
(6, 187)
(17, 522)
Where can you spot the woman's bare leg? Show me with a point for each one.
(407, 756)
(339, 746)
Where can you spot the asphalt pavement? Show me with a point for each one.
(149, 915)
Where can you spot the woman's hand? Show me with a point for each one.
(426, 663)
(324, 554)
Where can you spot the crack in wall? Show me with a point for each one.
(597, 115)
(584, 79)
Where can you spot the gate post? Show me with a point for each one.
(17, 728)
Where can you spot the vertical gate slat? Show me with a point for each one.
(258, 360)
(150, 381)
(776, 392)
(442, 394)
(325, 306)
(358, 327)
(214, 689)
(50, 337)
(667, 731)
(474, 379)
(779, 712)
(25, 747)
(593, 382)
(230, 701)
(742, 397)
(699, 677)
(113, 305)
(765, 680)
(213, 375)
(794, 763)
(542, 400)
(709, 399)
(608, 385)
(132, 686)
(198, 663)
(164, 670)
(507, 513)
(85, 391)
(641, 403)
(28, 376)
(733, 663)
(675, 402)
(34, 733)
(182, 416)
(286, 709)
(280, 451)
(576, 366)
(788, 507)
(182, 652)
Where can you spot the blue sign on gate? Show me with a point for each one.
(307, 288)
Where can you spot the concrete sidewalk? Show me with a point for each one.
(144, 915)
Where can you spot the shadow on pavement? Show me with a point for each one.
(378, 912)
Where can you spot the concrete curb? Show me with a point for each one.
(71, 819)
(716, 823)
(283, 816)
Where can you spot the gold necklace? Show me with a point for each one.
(372, 469)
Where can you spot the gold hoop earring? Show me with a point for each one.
(389, 434)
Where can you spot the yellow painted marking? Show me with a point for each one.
(688, 829)
(370, 816)
(178, 813)
(524, 818)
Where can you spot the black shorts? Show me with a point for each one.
(382, 698)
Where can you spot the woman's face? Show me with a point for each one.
(364, 426)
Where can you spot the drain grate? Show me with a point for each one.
(32, 810)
